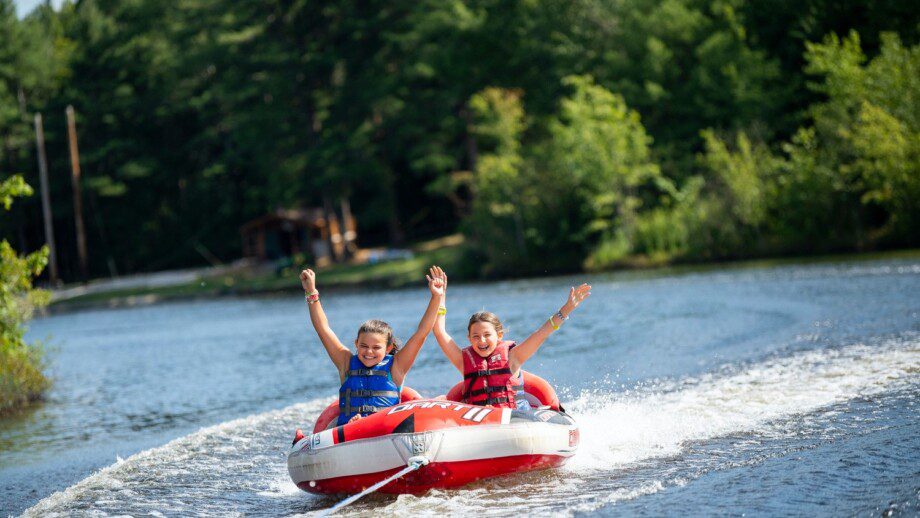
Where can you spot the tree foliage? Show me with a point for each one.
(850, 179)
(543, 201)
(21, 378)
(708, 128)
(858, 160)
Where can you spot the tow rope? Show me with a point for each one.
(414, 463)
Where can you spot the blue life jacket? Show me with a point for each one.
(367, 389)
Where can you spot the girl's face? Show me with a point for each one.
(484, 338)
(372, 348)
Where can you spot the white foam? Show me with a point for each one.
(175, 455)
(282, 487)
(619, 494)
(619, 429)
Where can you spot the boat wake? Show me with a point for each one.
(657, 420)
(767, 401)
(633, 443)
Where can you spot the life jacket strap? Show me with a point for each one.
(367, 372)
(350, 393)
(363, 409)
(487, 372)
(486, 390)
(488, 401)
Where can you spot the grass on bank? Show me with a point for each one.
(21, 378)
(449, 252)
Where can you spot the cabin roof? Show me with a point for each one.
(301, 217)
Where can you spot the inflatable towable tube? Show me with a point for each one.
(463, 443)
(329, 416)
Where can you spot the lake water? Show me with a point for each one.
(757, 391)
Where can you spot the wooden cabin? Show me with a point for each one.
(288, 232)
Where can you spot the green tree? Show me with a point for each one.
(500, 185)
(599, 153)
(685, 66)
(544, 202)
(861, 154)
(849, 180)
(32, 66)
(782, 28)
(21, 378)
(720, 213)
(602, 147)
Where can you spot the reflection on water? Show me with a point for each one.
(707, 388)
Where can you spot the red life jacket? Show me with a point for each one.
(488, 381)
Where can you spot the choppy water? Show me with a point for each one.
(788, 390)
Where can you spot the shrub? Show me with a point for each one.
(21, 363)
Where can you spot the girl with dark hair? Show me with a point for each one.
(490, 365)
(373, 375)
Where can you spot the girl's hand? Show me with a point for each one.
(435, 272)
(576, 296)
(436, 284)
(355, 418)
(442, 275)
(308, 280)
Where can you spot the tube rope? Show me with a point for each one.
(414, 464)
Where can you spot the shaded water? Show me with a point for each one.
(786, 390)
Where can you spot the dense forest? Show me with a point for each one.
(556, 134)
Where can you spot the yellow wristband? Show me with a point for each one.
(555, 327)
(442, 310)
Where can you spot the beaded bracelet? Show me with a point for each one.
(311, 297)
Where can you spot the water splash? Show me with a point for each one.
(200, 473)
(656, 421)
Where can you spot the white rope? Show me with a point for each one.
(414, 464)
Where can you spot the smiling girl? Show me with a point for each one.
(373, 375)
(491, 366)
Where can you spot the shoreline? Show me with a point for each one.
(399, 274)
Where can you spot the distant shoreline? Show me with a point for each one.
(395, 275)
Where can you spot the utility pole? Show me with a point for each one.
(351, 229)
(46, 198)
(77, 198)
(335, 231)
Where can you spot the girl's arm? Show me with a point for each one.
(447, 344)
(338, 353)
(528, 347)
(405, 357)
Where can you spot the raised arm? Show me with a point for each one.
(338, 353)
(405, 357)
(448, 346)
(528, 347)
